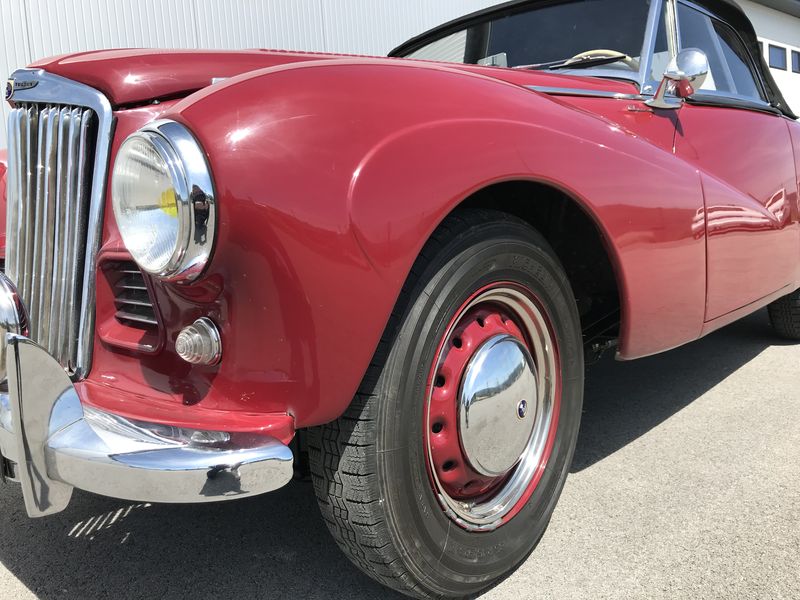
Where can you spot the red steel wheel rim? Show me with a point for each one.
(492, 406)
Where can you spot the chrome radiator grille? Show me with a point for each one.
(51, 158)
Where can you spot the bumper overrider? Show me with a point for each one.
(51, 444)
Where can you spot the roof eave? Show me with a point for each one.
(790, 7)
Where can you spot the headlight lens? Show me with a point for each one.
(163, 201)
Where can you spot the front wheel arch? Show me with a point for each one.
(574, 234)
(374, 488)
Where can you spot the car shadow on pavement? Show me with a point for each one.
(625, 400)
(274, 546)
(277, 546)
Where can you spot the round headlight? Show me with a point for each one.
(163, 199)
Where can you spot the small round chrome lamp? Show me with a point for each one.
(200, 343)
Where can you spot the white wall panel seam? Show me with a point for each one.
(28, 35)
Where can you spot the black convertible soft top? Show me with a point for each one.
(728, 10)
(733, 14)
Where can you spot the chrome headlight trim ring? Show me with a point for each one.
(195, 199)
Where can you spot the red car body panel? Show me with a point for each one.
(748, 201)
(794, 132)
(331, 175)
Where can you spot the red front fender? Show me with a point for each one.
(330, 178)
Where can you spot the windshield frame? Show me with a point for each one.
(643, 79)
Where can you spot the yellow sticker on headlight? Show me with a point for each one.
(168, 203)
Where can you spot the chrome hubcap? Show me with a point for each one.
(492, 410)
(499, 383)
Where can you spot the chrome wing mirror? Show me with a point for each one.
(685, 74)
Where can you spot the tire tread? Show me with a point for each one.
(784, 314)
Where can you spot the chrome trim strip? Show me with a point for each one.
(53, 89)
(584, 93)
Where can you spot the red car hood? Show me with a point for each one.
(136, 76)
(129, 77)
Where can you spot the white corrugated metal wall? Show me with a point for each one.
(32, 29)
(775, 28)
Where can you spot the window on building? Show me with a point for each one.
(795, 61)
(777, 57)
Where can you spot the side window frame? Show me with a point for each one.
(725, 98)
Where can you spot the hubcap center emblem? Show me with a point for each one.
(522, 409)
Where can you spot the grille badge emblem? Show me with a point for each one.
(13, 85)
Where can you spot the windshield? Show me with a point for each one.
(597, 33)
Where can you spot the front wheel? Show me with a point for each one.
(443, 474)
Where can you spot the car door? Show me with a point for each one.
(743, 151)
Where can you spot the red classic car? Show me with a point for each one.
(221, 263)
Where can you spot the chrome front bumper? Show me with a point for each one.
(51, 444)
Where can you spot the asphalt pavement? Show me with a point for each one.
(685, 485)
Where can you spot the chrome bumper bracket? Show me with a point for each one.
(58, 445)
(44, 389)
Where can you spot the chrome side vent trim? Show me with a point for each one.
(59, 140)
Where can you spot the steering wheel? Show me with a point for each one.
(602, 53)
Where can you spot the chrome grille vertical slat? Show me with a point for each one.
(14, 182)
(16, 225)
(68, 273)
(26, 233)
(79, 226)
(32, 290)
(60, 210)
(60, 134)
(48, 220)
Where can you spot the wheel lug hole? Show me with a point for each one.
(481, 322)
(449, 466)
(458, 342)
(437, 428)
(439, 381)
